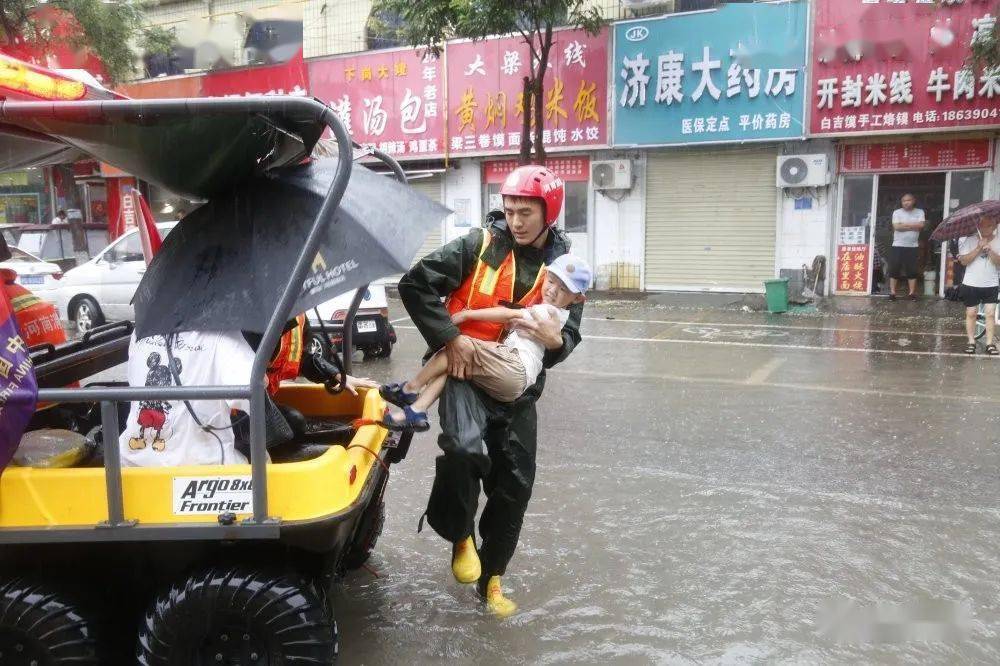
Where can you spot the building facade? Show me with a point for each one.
(706, 145)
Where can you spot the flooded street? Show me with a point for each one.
(708, 483)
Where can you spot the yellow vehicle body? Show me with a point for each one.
(298, 492)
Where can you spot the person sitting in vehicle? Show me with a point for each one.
(161, 433)
(503, 370)
(164, 433)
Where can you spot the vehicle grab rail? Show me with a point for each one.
(347, 335)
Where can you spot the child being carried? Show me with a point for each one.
(503, 370)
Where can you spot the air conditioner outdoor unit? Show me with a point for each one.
(803, 171)
(611, 175)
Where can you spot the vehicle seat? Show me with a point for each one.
(312, 436)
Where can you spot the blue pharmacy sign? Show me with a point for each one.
(728, 75)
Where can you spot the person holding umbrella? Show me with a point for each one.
(484, 441)
(979, 251)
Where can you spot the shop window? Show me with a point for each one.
(97, 203)
(23, 197)
(855, 220)
(493, 199)
(966, 188)
(574, 214)
(575, 208)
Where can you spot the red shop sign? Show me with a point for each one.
(899, 66)
(916, 156)
(570, 169)
(485, 96)
(852, 269)
(391, 100)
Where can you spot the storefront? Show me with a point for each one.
(896, 115)
(30, 199)
(690, 84)
(943, 175)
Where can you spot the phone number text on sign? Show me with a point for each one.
(894, 66)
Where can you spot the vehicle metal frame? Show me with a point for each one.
(260, 525)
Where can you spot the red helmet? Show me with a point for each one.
(537, 182)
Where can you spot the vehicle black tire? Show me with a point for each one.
(237, 615)
(37, 626)
(383, 350)
(316, 342)
(86, 314)
(313, 342)
(368, 531)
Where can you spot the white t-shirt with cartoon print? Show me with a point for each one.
(163, 433)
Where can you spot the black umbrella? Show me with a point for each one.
(197, 153)
(225, 265)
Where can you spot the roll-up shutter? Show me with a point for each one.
(710, 219)
(431, 188)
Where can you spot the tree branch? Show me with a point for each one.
(530, 42)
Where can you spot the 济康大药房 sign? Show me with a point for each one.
(733, 74)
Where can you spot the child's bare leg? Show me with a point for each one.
(430, 394)
(435, 367)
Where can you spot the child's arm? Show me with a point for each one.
(498, 315)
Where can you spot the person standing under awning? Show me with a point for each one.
(907, 223)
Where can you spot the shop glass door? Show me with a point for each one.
(854, 265)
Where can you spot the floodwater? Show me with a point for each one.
(721, 487)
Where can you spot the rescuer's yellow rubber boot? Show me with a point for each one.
(465, 561)
(492, 594)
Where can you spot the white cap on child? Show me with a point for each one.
(574, 272)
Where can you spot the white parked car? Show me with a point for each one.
(373, 334)
(101, 290)
(39, 277)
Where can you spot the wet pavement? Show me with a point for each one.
(709, 481)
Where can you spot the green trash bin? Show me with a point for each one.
(776, 294)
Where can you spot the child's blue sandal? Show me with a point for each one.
(412, 421)
(396, 395)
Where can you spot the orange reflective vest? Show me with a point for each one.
(37, 320)
(288, 359)
(485, 288)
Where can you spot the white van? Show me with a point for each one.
(101, 290)
(373, 334)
